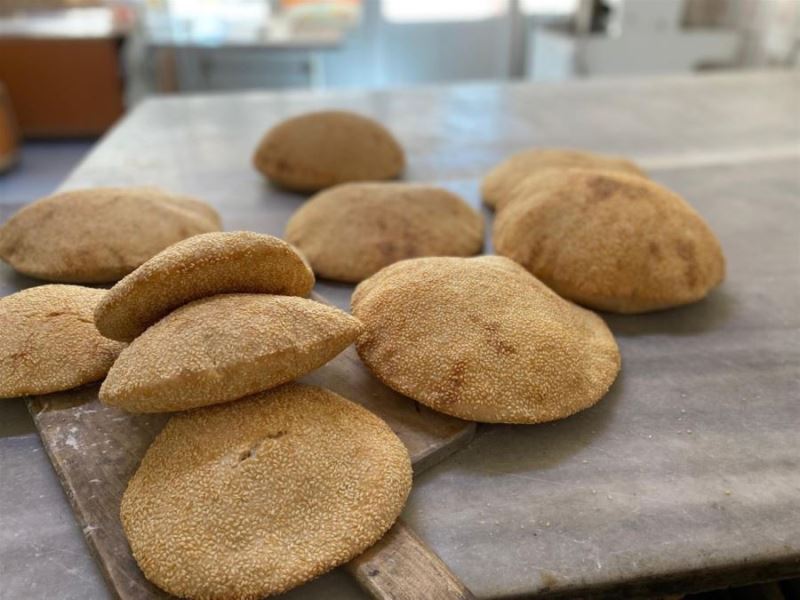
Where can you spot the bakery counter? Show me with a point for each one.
(684, 477)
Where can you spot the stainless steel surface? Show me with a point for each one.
(686, 474)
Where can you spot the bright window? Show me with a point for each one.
(406, 11)
(548, 7)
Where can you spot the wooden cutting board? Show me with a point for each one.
(95, 449)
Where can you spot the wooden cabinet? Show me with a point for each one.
(63, 87)
(8, 132)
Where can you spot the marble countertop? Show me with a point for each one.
(686, 476)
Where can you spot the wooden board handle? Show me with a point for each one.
(401, 567)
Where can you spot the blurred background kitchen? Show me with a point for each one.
(70, 68)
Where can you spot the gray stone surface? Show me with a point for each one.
(42, 167)
(689, 467)
(685, 476)
(42, 552)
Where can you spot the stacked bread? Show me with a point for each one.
(597, 231)
(214, 318)
(499, 185)
(276, 482)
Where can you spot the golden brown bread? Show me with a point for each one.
(48, 341)
(498, 185)
(482, 339)
(203, 265)
(317, 150)
(99, 235)
(353, 230)
(225, 347)
(610, 241)
(255, 497)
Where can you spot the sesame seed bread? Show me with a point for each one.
(482, 339)
(499, 183)
(49, 342)
(99, 235)
(610, 241)
(353, 230)
(255, 497)
(203, 265)
(225, 347)
(320, 149)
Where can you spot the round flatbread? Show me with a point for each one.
(203, 265)
(482, 339)
(99, 235)
(320, 149)
(354, 230)
(610, 241)
(255, 497)
(498, 186)
(225, 347)
(49, 342)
